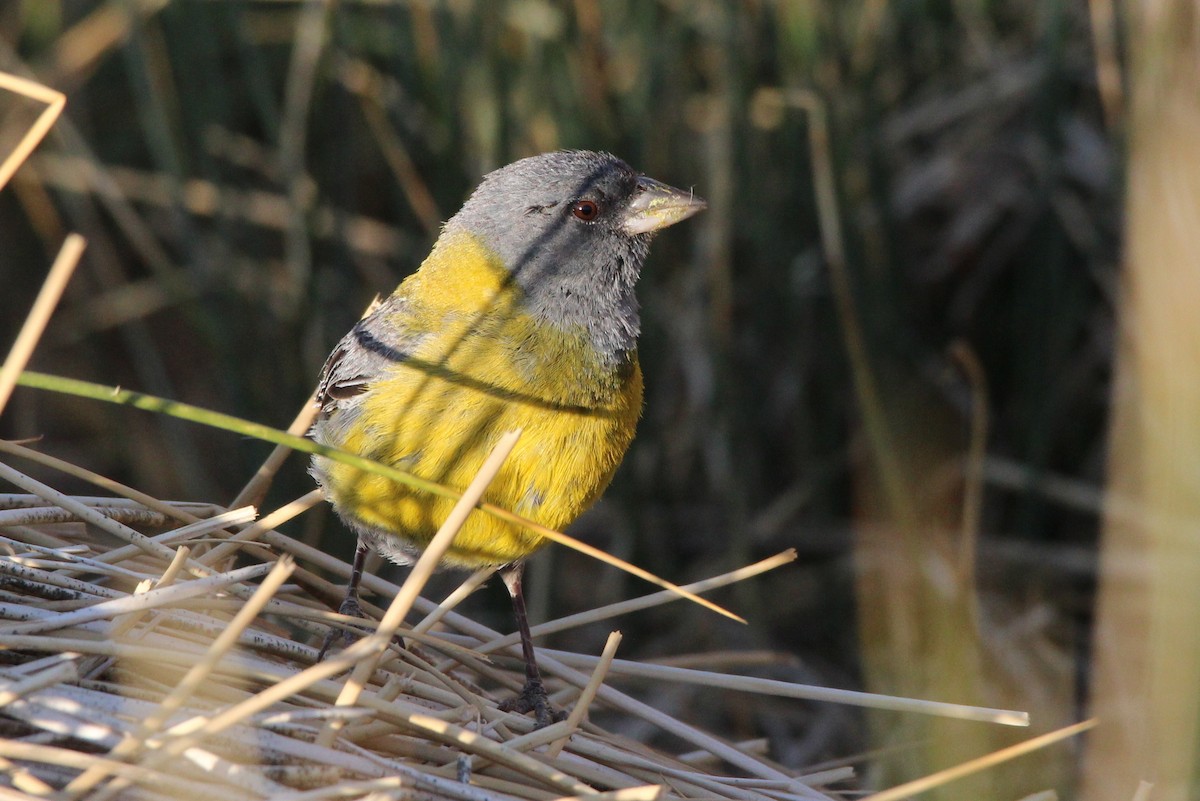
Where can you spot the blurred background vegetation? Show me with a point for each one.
(919, 410)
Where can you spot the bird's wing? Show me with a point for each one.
(373, 345)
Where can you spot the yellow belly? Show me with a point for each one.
(440, 414)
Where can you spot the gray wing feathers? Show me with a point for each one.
(375, 344)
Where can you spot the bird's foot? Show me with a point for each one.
(351, 608)
(534, 699)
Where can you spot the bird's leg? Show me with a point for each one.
(533, 697)
(350, 605)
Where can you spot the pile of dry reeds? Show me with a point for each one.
(139, 663)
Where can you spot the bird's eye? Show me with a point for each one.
(586, 210)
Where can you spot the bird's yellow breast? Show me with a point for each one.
(482, 366)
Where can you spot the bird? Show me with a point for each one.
(523, 316)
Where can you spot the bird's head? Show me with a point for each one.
(573, 228)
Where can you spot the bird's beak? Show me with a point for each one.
(656, 205)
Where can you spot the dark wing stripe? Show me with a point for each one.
(359, 359)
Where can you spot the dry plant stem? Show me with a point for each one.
(54, 101)
(420, 787)
(575, 718)
(49, 515)
(724, 661)
(72, 588)
(124, 624)
(48, 297)
(12, 690)
(649, 792)
(202, 527)
(97, 34)
(23, 500)
(603, 612)
(416, 720)
(1146, 644)
(1068, 492)
(698, 787)
(830, 776)
(185, 659)
(392, 146)
(362, 79)
(1043, 795)
(684, 778)
(389, 711)
(422, 570)
(973, 490)
(759, 745)
(784, 689)
(181, 556)
(87, 644)
(596, 553)
(942, 777)
(870, 401)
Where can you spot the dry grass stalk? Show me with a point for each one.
(47, 299)
(1146, 643)
(54, 101)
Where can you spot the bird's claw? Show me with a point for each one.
(351, 608)
(533, 699)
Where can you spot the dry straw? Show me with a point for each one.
(188, 695)
(149, 682)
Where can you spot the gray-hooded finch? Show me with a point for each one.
(522, 317)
